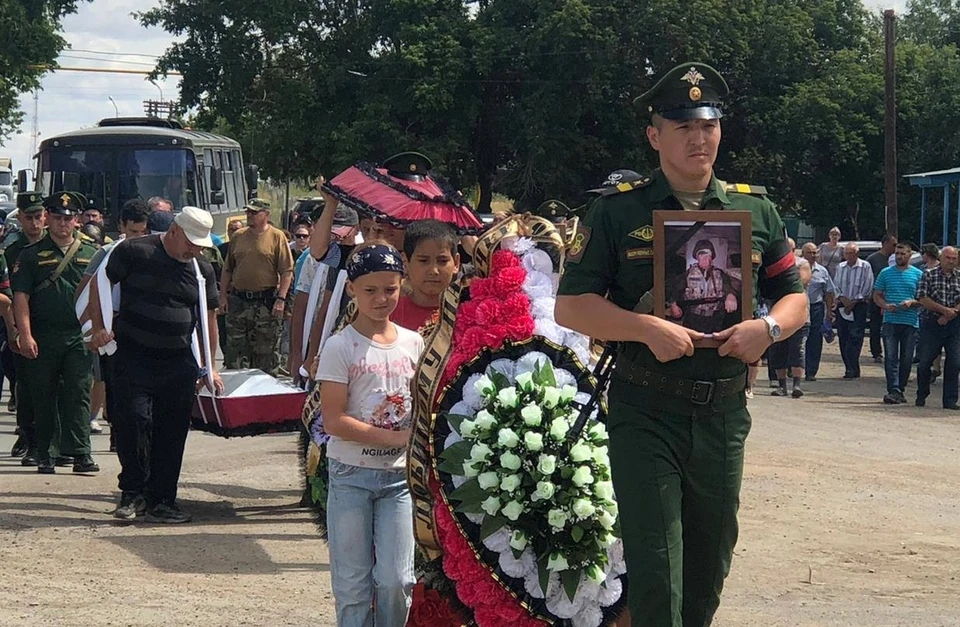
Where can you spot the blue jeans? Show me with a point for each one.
(370, 530)
(814, 347)
(933, 338)
(898, 345)
(850, 333)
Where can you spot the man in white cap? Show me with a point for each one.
(158, 313)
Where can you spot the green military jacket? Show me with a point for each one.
(11, 252)
(612, 256)
(51, 307)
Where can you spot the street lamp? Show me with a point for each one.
(116, 111)
(158, 88)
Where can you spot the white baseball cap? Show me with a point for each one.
(196, 224)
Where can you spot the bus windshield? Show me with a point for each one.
(6, 178)
(107, 174)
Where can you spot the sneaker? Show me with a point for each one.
(890, 399)
(131, 506)
(774, 384)
(19, 447)
(85, 464)
(779, 392)
(901, 399)
(809, 378)
(748, 392)
(797, 393)
(95, 426)
(168, 513)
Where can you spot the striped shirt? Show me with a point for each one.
(158, 298)
(855, 282)
(820, 284)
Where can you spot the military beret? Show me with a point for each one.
(552, 210)
(411, 166)
(65, 203)
(689, 91)
(29, 202)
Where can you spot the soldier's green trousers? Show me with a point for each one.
(26, 419)
(253, 335)
(677, 475)
(58, 382)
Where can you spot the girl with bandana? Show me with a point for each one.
(365, 373)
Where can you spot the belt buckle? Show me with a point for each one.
(702, 392)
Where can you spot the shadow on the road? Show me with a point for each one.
(240, 492)
(211, 553)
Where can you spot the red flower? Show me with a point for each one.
(431, 609)
(488, 312)
(509, 280)
(519, 329)
(503, 259)
(482, 288)
(515, 305)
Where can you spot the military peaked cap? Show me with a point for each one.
(29, 202)
(690, 91)
(411, 166)
(65, 203)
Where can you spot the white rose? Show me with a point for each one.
(518, 540)
(551, 397)
(511, 461)
(583, 508)
(612, 507)
(601, 456)
(598, 431)
(510, 483)
(508, 397)
(604, 490)
(545, 491)
(484, 386)
(485, 420)
(488, 480)
(607, 520)
(567, 393)
(525, 381)
(533, 441)
(582, 476)
(559, 428)
(532, 415)
(608, 540)
(480, 452)
(580, 452)
(547, 464)
(596, 574)
(557, 562)
(557, 518)
(468, 429)
(512, 510)
(491, 506)
(470, 469)
(508, 438)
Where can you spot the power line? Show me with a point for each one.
(115, 54)
(82, 58)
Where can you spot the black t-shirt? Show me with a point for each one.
(159, 298)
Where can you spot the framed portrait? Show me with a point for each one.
(703, 274)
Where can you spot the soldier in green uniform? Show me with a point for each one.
(32, 218)
(677, 416)
(58, 369)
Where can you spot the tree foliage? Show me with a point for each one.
(533, 98)
(29, 40)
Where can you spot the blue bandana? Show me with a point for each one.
(376, 258)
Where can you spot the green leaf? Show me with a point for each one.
(490, 525)
(498, 379)
(469, 493)
(470, 508)
(547, 376)
(452, 458)
(571, 581)
(455, 420)
(576, 533)
(544, 574)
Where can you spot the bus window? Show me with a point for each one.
(149, 173)
(83, 171)
(229, 187)
(238, 178)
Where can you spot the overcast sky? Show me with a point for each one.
(72, 100)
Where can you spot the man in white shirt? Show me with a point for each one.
(854, 281)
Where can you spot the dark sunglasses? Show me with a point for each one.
(302, 235)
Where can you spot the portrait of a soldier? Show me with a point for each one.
(705, 296)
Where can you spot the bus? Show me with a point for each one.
(124, 158)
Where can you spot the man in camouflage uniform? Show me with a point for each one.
(58, 368)
(677, 415)
(254, 285)
(706, 294)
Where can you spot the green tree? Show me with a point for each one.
(29, 42)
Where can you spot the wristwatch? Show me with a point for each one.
(773, 329)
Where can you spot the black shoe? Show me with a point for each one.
(131, 506)
(848, 377)
(64, 460)
(890, 399)
(779, 392)
(797, 393)
(84, 464)
(953, 407)
(878, 359)
(901, 399)
(809, 378)
(19, 447)
(46, 467)
(167, 513)
(29, 459)
(920, 402)
(113, 441)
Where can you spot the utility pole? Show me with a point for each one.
(890, 128)
(35, 126)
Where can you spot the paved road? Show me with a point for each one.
(850, 518)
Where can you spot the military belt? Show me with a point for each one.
(264, 295)
(698, 392)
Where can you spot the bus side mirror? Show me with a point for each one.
(23, 182)
(253, 179)
(216, 179)
(218, 198)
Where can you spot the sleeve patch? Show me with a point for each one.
(579, 244)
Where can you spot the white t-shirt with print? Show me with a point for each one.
(378, 378)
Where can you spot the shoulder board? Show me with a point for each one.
(86, 239)
(743, 188)
(620, 188)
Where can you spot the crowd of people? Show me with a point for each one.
(906, 300)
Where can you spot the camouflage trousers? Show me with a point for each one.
(253, 335)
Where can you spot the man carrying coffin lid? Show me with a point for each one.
(677, 416)
(57, 371)
(159, 309)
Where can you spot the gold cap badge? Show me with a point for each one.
(693, 76)
(695, 94)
